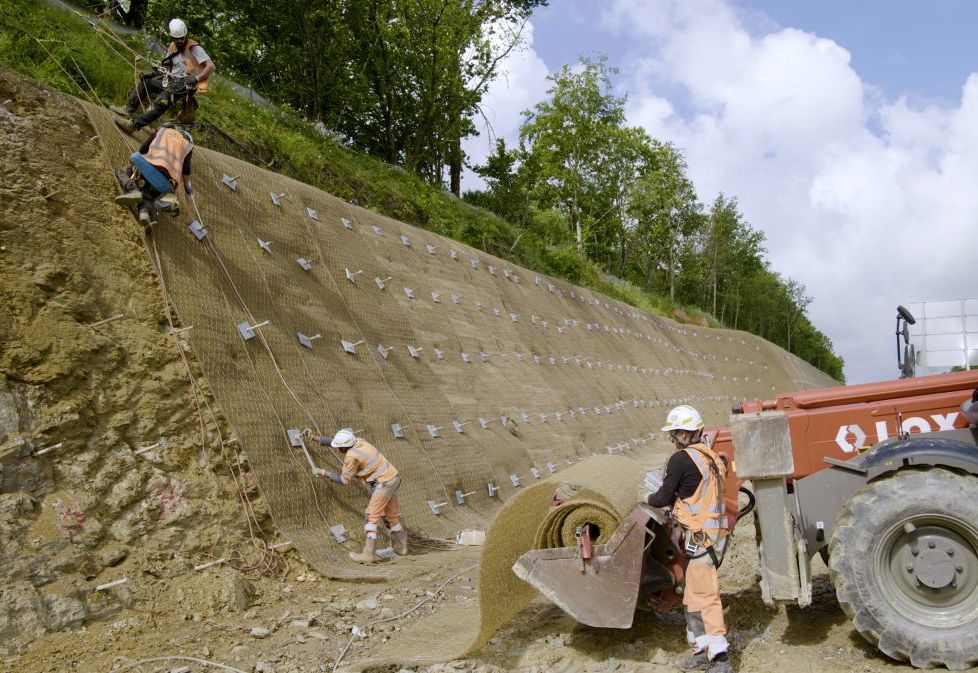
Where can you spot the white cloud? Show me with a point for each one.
(869, 203)
(521, 83)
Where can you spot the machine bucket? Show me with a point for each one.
(600, 591)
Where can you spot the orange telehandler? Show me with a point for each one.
(879, 479)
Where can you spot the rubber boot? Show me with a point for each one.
(144, 218)
(122, 110)
(699, 661)
(399, 542)
(130, 199)
(125, 180)
(367, 555)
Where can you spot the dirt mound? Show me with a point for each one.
(87, 367)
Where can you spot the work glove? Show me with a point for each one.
(651, 484)
(335, 476)
(653, 480)
(307, 433)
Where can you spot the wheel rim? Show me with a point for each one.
(927, 569)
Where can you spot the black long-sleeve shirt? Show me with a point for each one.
(681, 481)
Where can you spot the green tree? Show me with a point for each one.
(572, 136)
(509, 175)
(665, 212)
(399, 79)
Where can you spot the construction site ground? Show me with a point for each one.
(68, 260)
(302, 623)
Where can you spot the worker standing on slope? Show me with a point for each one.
(160, 166)
(185, 71)
(363, 460)
(693, 487)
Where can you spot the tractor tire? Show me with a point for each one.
(904, 560)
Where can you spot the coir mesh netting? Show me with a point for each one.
(495, 376)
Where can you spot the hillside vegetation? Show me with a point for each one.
(622, 205)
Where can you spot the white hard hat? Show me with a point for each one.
(683, 417)
(344, 439)
(178, 28)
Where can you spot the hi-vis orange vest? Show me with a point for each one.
(365, 461)
(168, 150)
(192, 65)
(704, 510)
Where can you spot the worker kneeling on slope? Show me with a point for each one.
(693, 487)
(363, 460)
(158, 169)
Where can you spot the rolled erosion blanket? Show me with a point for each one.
(583, 508)
(599, 491)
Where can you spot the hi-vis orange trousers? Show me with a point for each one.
(705, 629)
(383, 504)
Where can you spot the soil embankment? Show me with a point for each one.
(572, 373)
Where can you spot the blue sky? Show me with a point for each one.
(848, 132)
(924, 49)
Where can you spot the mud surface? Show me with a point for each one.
(93, 511)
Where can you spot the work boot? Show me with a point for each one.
(122, 110)
(126, 125)
(367, 555)
(144, 218)
(130, 199)
(125, 180)
(720, 666)
(699, 661)
(399, 542)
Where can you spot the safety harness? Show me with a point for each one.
(704, 513)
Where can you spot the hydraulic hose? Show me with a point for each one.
(744, 511)
(749, 507)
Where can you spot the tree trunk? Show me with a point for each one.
(714, 295)
(455, 167)
(576, 218)
(672, 275)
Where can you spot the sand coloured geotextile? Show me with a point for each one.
(608, 492)
(476, 378)
(607, 488)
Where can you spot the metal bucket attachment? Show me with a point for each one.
(597, 586)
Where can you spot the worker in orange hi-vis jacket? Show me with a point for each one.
(362, 460)
(693, 487)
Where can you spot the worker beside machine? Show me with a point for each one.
(693, 487)
(159, 168)
(184, 72)
(362, 460)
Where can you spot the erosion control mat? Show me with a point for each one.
(475, 378)
(606, 488)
